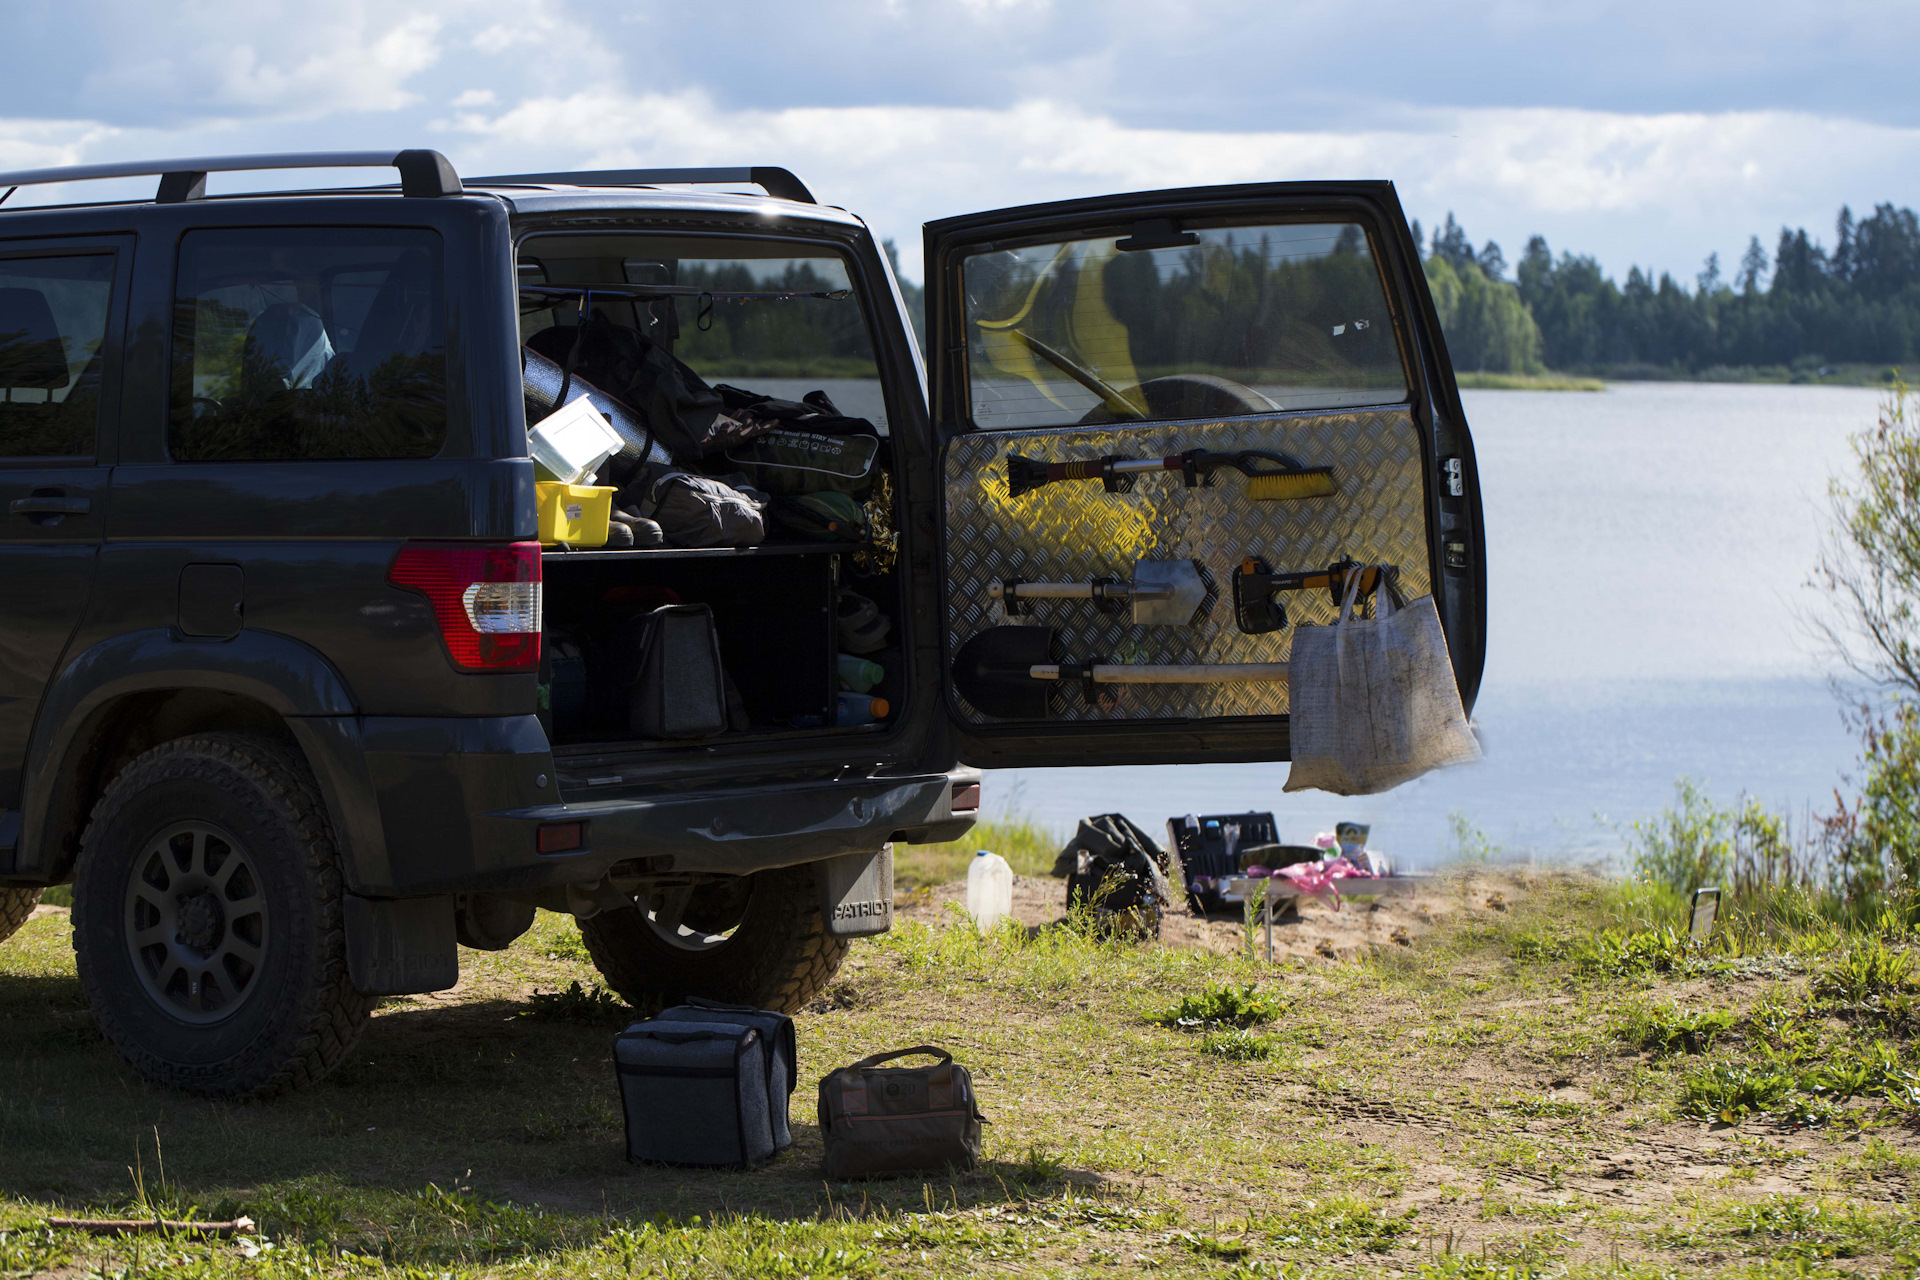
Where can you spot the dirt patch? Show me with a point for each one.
(1313, 931)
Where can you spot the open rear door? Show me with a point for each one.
(1163, 418)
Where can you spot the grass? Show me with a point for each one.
(1474, 381)
(1029, 849)
(1564, 1086)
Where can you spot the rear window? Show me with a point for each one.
(773, 317)
(309, 343)
(1205, 323)
(53, 323)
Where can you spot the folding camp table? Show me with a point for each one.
(1256, 893)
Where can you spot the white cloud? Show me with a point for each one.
(46, 144)
(1638, 182)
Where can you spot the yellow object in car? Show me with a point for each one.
(573, 514)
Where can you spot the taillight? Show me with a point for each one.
(486, 599)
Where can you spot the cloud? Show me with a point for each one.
(44, 144)
(1638, 181)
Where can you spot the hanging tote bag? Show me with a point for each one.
(1373, 700)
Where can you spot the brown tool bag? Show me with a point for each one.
(881, 1120)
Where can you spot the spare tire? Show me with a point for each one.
(15, 906)
(757, 940)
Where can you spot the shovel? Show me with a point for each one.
(1006, 672)
(1163, 593)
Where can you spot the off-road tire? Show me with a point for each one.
(779, 957)
(15, 906)
(299, 1014)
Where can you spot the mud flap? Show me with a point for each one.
(856, 893)
(401, 946)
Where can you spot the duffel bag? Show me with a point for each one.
(881, 1120)
(795, 461)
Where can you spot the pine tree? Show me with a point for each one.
(1419, 240)
(1753, 265)
(1492, 262)
(1709, 277)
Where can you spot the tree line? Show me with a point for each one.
(1802, 308)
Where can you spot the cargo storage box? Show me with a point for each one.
(694, 1094)
(574, 514)
(776, 1034)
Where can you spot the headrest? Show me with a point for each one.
(31, 352)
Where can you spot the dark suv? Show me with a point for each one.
(273, 694)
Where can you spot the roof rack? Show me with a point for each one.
(776, 182)
(422, 173)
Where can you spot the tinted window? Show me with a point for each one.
(773, 317)
(302, 342)
(1289, 316)
(53, 323)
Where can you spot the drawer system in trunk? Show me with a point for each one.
(772, 612)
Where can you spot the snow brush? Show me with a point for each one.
(1270, 476)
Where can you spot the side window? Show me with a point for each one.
(1196, 324)
(53, 324)
(296, 343)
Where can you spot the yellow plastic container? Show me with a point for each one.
(574, 514)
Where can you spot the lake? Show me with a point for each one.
(1648, 549)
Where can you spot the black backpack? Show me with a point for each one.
(1115, 870)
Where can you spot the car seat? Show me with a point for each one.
(287, 347)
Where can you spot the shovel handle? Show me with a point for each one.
(998, 590)
(1199, 673)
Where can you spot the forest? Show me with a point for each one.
(1800, 313)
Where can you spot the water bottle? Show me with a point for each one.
(857, 675)
(860, 708)
(989, 890)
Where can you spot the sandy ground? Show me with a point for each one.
(1315, 929)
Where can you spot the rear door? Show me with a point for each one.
(58, 309)
(1281, 328)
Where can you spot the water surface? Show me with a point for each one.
(1647, 552)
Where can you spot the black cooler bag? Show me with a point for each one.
(695, 1093)
(776, 1034)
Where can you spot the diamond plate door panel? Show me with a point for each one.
(1074, 531)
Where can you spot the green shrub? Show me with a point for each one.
(1672, 1030)
(1221, 1007)
(1237, 1045)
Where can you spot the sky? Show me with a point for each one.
(1643, 133)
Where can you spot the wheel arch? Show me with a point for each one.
(126, 695)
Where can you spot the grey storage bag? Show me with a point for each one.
(694, 1094)
(776, 1033)
(668, 670)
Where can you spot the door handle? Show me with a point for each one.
(50, 506)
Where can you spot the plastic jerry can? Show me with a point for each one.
(860, 708)
(989, 890)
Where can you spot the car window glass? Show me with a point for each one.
(53, 324)
(1204, 323)
(309, 343)
(773, 317)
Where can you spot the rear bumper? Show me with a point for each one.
(430, 806)
(729, 832)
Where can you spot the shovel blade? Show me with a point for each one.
(994, 671)
(1167, 593)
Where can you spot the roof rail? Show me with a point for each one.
(776, 182)
(422, 173)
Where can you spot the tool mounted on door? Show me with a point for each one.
(1255, 588)
(1006, 672)
(1163, 593)
(1270, 476)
